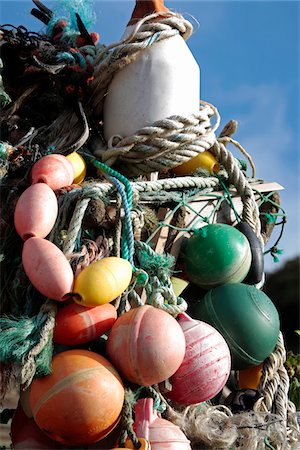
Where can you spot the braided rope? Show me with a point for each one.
(75, 225)
(243, 187)
(274, 382)
(166, 144)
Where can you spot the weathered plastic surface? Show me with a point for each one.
(206, 364)
(217, 254)
(36, 211)
(81, 401)
(146, 345)
(246, 318)
(55, 170)
(102, 281)
(163, 81)
(75, 324)
(162, 434)
(47, 268)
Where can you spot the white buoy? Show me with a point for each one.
(163, 81)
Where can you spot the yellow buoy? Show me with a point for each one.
(204, 160)
(79, 166)
(102, 281)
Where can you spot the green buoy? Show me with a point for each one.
(246, 318)
(217, 254)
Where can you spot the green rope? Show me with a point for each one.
(272, 218)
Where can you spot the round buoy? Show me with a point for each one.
(217, 254)
(79, 166)
(246, 318)
(80, 402)
(146, 345)
(206, 364)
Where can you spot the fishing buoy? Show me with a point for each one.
(146, 345)
(80, 402)
(164, 80)
(161, 433)
(102, 281)
(250, 378)
(36, 212)
(256, 270)
(246, 318)
(217, 254)
(206, 364)
(204, 160)
(79, 167)
(75, 324)
(25, 434)
(55, 170)
(47, 268)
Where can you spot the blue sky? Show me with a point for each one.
(248, 53)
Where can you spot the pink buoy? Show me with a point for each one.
(55, 170)
(47, 268)
(36, 212)
(162, 434)
(206, 364)
(146, 345)
(25, 434)
(76, 324)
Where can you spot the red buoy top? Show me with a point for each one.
(145, 7)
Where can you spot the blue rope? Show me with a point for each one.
(127, 245)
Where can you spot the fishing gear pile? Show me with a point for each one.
(132, 247)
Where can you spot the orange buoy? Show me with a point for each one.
(35, 212)
(250, 378)
(80, 402)
(55, 170)
(77, 324)
(47, 268)
(146, 345)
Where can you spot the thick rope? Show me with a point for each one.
(166, 144)
(244, 190)
(274, 382)
(75, 226)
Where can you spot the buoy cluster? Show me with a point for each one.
(234, 326)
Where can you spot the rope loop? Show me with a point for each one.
(167, 143)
